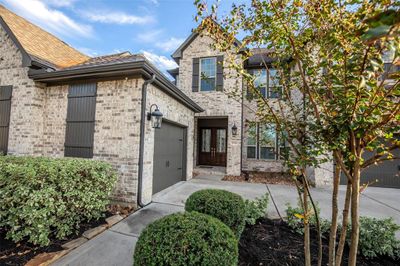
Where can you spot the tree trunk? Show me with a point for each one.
(333, 230)
(345, 222)
(307, 187)
(307, 251)
(355, 201)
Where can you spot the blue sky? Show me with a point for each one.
(97, 27)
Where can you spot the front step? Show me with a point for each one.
(209, 170)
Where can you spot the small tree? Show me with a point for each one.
(332, 51)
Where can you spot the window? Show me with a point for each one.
(208, 74)
(252, 142)
(260, 81)
(274, 88)
(267, 82)
(80, 120)
(264, 143)
(267, 142)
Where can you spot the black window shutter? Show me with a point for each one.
(220, 73)
(195, 75)
(81, 112)
(5, 108)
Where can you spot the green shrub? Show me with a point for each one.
(256, 209)
(294, 218)
(224, 205)
(377, 237)
(189, 238)
(43, 198)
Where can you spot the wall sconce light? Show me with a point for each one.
(155, 116)
(234, 129)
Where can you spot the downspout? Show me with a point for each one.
(141, 145)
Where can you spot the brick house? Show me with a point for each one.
(56, 101)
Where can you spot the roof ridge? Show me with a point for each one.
(116, 54)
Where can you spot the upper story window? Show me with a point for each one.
(267, 82)
(208, 74)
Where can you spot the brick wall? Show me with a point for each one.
(175, 112)
(216, 104)
(26, 117)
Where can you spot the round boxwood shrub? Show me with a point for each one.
(189, 238)
(224, 205)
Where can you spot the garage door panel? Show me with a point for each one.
(168, 156)
(385, 174)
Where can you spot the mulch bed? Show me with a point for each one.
(261, 177)
(272, 242)
(21, 253)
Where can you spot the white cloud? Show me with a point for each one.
(170, 45)
(116, 17)
(160, 61)
(60, 3)
(88, 51)
(150, 36)
(155, 37)
(155, 2)
(50, 19)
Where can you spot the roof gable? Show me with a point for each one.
(39, 43)
(178, 53)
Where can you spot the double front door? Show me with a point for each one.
(212, 148)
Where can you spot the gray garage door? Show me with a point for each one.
(169, 156)
(385, 174)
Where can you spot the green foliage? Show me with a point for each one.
(224, 205)
(256, 209)
(189, 238)
(43, 198)
(295, 219)
(377, 237)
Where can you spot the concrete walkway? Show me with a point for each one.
(115, 246)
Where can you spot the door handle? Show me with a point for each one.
(167, 163)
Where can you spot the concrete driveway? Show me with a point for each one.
(115, 246)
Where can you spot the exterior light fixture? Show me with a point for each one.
(234, 129)
(155, 116)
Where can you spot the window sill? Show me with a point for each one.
(265, 160)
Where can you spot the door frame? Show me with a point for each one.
(199, 141)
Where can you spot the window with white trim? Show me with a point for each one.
(267, 82)
(208, 74)
(265, 143)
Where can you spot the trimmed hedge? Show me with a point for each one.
(188, 238)
(224, 205)
(43, 198)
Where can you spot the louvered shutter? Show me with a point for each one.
(220, 73)
(5, 108)
(81, 112)
(195, 75)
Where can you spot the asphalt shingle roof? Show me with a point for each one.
(41, 44)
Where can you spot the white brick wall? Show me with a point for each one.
(216, 104)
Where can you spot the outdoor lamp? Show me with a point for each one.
(234, 129)
(155, 116)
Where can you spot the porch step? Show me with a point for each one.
(209, 170)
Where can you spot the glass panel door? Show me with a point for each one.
(221, 140)
(206, 140)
